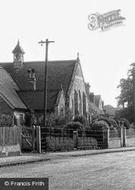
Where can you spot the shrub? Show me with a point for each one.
(59, 144)
(80, 119)
(73, 126)
(125, 122)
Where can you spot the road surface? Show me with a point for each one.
(95, 172)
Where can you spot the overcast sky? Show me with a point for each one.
(105, 56)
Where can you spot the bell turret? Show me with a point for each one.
(18, 56)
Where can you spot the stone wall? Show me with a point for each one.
(78, 88)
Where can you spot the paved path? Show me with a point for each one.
(95, 172)
(33, 157)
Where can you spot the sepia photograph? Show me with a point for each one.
(67, 95)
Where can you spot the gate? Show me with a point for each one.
(31, 139)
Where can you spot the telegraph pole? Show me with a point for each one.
(134, 91)
(46, 42)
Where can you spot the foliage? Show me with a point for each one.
(125, 122)
(74, 126)
(52, 121)
(109, 120)
(126, 113)
(58, 144)
(126, 97)
(6, 120)
(98, 125)
(80, 119)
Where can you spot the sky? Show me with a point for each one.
(105, 56)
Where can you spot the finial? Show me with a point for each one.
(77, 55)
(18, 43)
(61, 87)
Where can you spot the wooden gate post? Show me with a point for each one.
(33, 137)
(107, 137)
(124, 137)
(75, 138)
(121, 136)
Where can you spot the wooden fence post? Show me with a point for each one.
(38, 138)
(124, 137)
(121, 136)
(75, 138)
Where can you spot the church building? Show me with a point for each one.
(66, 89)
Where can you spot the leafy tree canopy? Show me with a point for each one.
(125, 99)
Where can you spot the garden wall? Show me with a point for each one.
(68, 143)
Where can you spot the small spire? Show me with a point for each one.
(78, 59)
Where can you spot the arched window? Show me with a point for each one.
(62, 112)
(76, 102)
(80, 103)
(72, 107)
(84, 104)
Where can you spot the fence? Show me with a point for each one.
(10, 140)
(114, 140)
(61, 139)
(99, 138)
(67, 139)
(130, 137)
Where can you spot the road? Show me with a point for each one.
(96, 172)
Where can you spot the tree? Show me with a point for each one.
(126, 97)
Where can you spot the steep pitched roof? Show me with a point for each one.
(59, 73)
(8, 90)
(97, 99)
(18, 49)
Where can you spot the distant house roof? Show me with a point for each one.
(8, 90)
(110, 110)
(94, 108)
(59, 73)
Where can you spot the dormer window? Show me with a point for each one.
(32, 77)
(31, 74)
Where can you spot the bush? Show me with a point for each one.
(125, 122)
(80, 119)
(59, 144)
(73, 126)
(98, 125)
